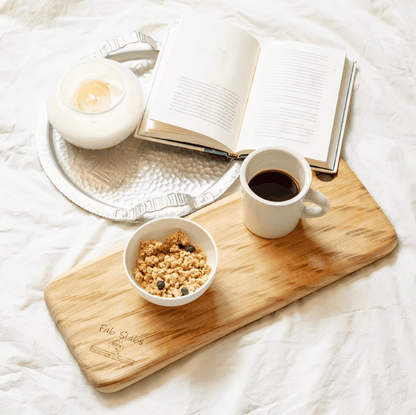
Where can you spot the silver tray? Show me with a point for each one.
(137, 180)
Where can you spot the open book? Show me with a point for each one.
(216, 89)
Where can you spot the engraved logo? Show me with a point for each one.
(113, 349)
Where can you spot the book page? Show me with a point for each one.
(206, 78)
(294, 98)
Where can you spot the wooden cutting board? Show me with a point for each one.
(118, 338)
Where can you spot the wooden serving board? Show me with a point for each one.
(118, 338)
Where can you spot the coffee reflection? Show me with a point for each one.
(274, 185)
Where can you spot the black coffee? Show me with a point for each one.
(274, 185)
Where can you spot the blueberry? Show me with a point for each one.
(190, 248)
(184, 291)
(161, 285)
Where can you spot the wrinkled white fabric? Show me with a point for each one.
(348, 349)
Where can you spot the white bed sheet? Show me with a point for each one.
(348, 349)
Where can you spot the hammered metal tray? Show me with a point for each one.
(137, 180)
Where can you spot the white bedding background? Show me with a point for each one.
(348, 349)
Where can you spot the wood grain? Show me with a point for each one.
(118, 338)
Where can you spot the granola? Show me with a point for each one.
(172, 268)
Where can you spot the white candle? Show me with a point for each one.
(96, 104)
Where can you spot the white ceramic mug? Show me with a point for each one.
(270, 219)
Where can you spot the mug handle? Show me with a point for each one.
(318, 199)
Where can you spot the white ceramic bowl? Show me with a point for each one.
(159, 229)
